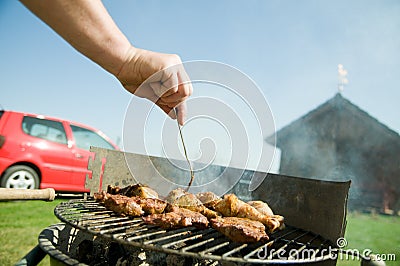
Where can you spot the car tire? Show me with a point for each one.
(20, 176)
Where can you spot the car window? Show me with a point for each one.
(45, 129)
(1, 113)
(84, 138)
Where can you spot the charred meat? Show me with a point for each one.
(240, 230)
(131, 206)
(122, 205)
(151, 205)
(176, 218)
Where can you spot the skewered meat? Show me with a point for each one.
(133, 190)
(189, 201)
(231, 206)
(176, 218)
(262, 207)
(240, 230)
(209, 199)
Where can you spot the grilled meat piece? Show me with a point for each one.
(231, 206)
(262, 207)
(100, 197)
(133, 190)
(240, 230)
(122, 205)
(148, 205)
(189, 201)
(151, 205)
(186, 209)
(209, 199)
(175, 194)
(177, 218)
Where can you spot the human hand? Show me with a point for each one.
(159, 78)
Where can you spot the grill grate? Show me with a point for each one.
(291, 245)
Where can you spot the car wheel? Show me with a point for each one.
(20, 176)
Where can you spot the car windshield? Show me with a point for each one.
(84, 138)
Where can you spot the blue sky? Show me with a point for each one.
(290, 49)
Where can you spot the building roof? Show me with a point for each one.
(335, 112)
(339, 141)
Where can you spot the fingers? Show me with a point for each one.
(165, 83)
(160, 78)
(182, 109)
(183, 92)
(174, 87)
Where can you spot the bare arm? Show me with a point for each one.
(89, 28)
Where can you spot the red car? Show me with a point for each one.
(44, 152)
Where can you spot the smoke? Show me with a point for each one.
(339, 142)
(342, 77)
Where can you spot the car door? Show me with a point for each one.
(83, 139)
(47, 144)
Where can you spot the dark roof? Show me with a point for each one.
(339, 141)
(337, 110)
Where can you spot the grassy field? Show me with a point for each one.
(20, 225)
(378, 233)
(22, 221)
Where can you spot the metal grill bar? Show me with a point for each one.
(214, 248)
(160, 239)
(257, 250)
(303, 247)
(233, 251)
(90, 216)
(192, 237)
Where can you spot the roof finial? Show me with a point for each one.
(342, 78)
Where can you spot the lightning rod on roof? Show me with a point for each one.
(342, 78)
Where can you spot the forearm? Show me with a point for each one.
(88, 27)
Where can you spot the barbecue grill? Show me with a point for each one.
(314, 213)
(207, 244)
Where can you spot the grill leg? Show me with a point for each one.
(33, 258)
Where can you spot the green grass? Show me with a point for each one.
(378, 233)
(22, 221)
(20, 225)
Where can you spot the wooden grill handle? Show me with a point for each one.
(47, 194)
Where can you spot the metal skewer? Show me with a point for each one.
(184, 150)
